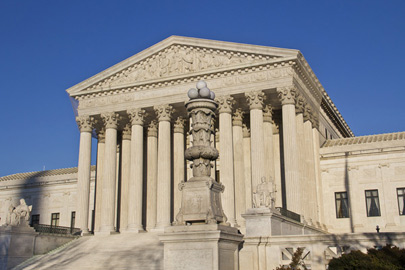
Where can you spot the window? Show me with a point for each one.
(342, 205)
(401, 201)
(72, 219)
(372, 203)
(34, 220)
(55, 219)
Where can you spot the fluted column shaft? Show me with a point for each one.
(164, 113)
(303, 181)
(135, 186)
(255, 101)
(247, 165)
(83, 174)
(277, 163)
(178, 162)
(226, 156)
(109, 173)
(99, 179)
(318, 180)
(151, 191)
(125, 177)
(292, 184)
(239, 167)
(268, 142)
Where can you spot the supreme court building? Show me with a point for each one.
(275, 123)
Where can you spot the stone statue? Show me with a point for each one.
(264, 195)
(19, 215)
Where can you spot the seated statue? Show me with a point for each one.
(264, 195)
(18, 215)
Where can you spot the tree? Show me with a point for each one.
(386, 258)
(297, 262)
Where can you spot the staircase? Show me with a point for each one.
(141, 251)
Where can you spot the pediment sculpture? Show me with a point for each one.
(18, 215)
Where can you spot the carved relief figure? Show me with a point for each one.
(264, 195)
(19, 213)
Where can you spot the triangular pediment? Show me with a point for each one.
(177, 57)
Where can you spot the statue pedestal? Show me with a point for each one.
(201, 247)
(17, 244)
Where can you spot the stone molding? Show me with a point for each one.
(237, 117)
(153, 129)
(164, 112)
(255, 99)
(287, 95)
(225, 103)
(246, 131)
(111, 120)
(86, 123)
(126, 132)
(268, 114)
(178, 126)
(137, 116)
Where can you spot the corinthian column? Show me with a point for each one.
(239, 167)
(268, 142)
(125, 176)
(135, 186)
(99, 178)
(109, 174)
(164, 113)
(287, 98)
(178, 161)
(299, 122)
(226, 175)
(85, 124)
(318, 182)
(255, 101)
(151, 186)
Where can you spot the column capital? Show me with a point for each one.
(315, 121)
(268, 114)
(101, 135)
(287, 94)
(255, 99)
(246, 131)
(152, 129)
(111, 120)
(225, 103)
(300, 104)
(86, 123)
(237, 117)
(307, 113)
(137, 116)
(126, 132)
(179, 125)
(164, 112)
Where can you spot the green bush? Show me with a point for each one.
(386, 258)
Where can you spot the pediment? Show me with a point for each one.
(179, 57)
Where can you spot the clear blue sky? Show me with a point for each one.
(356, 49)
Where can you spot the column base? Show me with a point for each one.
(201, 247)
(133, 230)
(105, 231)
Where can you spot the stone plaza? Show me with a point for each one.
(290, 172)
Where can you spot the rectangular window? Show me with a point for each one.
(372, 203)
(73, 219)
(401, 201)
(342, 205)
(34, 220)
(55, 219)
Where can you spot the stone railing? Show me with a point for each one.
(42, 228)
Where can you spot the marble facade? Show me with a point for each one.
(274, 121)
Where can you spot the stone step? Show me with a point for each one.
(141, 251)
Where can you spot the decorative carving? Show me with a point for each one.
(237, 117)
(268, 114)
(287, 94)
(137, 116)
(111, 120)
(299, 104)
(315, 121)
(164, 112)
(246, 131)
(152, 129)
(307, 113)
(179, 125)
(86, 123)
(101, 135)
(255, 99)
(126, 132)
(19, 215)
(265, 194)
(225, 104)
